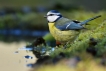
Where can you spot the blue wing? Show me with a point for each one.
(70, 26)
(74, 25)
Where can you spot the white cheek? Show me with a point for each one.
(52, 18)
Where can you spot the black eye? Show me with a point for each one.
(51, 14)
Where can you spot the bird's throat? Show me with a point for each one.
(51, 25)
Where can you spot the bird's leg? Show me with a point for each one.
(58, 43)
(65, 45)
(62, 44)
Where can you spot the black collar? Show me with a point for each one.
(58, 18)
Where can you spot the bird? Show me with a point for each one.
(64, 29)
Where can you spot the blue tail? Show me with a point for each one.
(86, 21)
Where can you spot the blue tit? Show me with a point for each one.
(64, 29)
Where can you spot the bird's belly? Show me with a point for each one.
(63, 36)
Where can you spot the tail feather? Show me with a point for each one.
(86, 21)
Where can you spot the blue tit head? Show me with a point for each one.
(53, 16)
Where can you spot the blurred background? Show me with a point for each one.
(22, 20)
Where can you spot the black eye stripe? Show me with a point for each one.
(50, 14)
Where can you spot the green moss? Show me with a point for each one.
(95, 29)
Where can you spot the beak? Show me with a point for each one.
(45, 16)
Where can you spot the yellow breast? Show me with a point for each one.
(62, 36)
